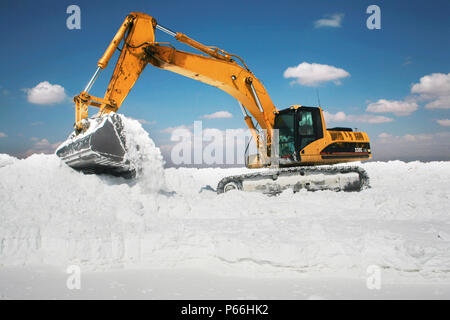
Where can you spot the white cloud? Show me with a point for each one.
(389, 138)
(399, 108)
(3, 135)
(434, 87)
(145, 122)
(417, 137)
(444, 122)
(41, 146)
(440, 103)
(42, 143)
(409, 147)
(363, 118)
(313, 74)
(444, 134)
(407, 61)
(333, 21)
(368, 118)
(46, 93)
(337, 117)
(387, 146)
(229, 146)
(172, 129)
(384, 135)
(218, 115)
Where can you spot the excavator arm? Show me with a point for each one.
(137, 30)
(218, 69)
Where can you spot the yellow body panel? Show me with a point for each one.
(310, 155)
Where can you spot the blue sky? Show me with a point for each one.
(272, 36)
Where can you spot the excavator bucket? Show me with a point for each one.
(100, 150)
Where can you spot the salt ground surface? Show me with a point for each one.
(165, 223)
(40, 282)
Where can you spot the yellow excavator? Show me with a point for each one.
(292, 143)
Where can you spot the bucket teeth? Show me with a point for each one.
(101, 151)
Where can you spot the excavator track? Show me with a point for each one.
(275, 181)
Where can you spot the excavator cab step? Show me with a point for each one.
(101, 149)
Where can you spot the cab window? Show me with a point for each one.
(309, 126)
(305, 124)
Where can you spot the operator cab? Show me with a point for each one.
(298, 127)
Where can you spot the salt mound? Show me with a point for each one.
(6, 160)
(143, 155)
(51, 214)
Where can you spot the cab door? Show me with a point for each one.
(287, 142)
(308, 127)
